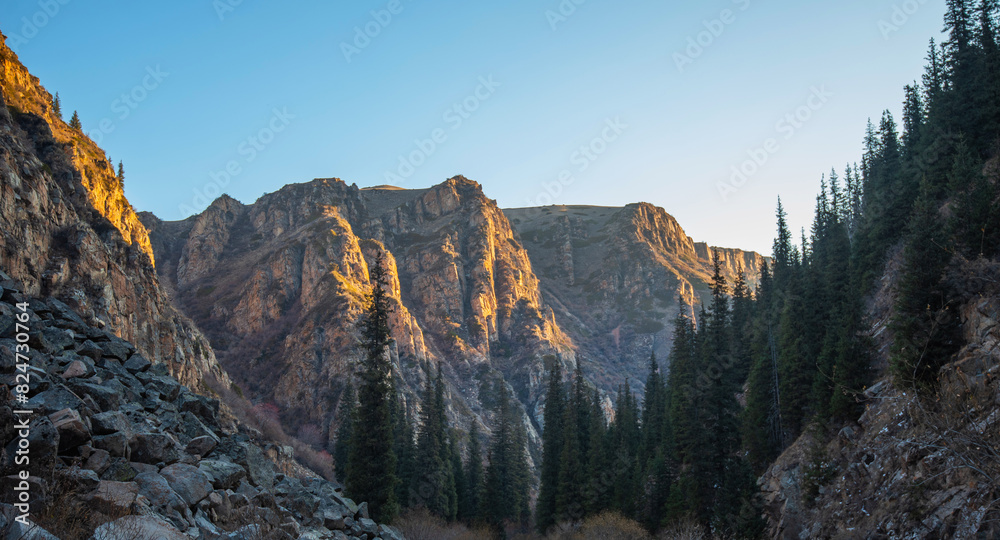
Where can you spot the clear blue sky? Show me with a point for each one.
(224, 72)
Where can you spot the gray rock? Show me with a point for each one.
(389, 533)
(83, 480)
(115, 444)
(64, 312)
(8, 326)
(333, 518)
(59, 339)
(138, 527)
(201, 446)
(168, 387)
(99, 461)
(191, 426)
(78, 369)
(54, 399)
(363, 510)
(117, 348)
(368, 526)
(206, 409)
(153, 448)
(189, 482)
(141, 468)
(222, 474)
(109, 422)
(106, 398)
(136, 363)
(112, 497)
(157, 489)
(260, 470)
(90, 350)
(72, 431)
(119, 470)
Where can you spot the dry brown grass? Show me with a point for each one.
(419, 524)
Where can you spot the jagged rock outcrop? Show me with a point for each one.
(278, 286)
(120, 449)
(910, 467)
(69, 232)
(613, 277)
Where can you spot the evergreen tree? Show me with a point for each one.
(74, 122)
(404, 449)
(121, 175)
(653, 412)
(505, 493)
(342, 445)
(470, 504)
(433, 484)
(57, 106)
(570, 499)
(547, 510)
(371, 471)
(924, 322)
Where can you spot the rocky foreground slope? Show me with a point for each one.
(67, 231)
(118, 445)
(908, 468)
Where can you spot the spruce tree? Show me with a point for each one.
(925, 323)
(371, 471)
(74, 122)
(345, 415)
(505, 491)
(547, 510)
(470, 504)
(57, 106)
(121, 175)
(404, 449)
(433, 483)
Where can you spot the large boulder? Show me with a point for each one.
(72, 431)
(154, 448)
(157, 489)
(188, 481)
(110, 422)
(138, 527)
(113, 498)
(222, 474)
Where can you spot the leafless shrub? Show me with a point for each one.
(265, 420)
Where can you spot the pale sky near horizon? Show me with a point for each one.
(553, 101)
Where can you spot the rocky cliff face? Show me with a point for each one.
(614, 275)
(279, 285)
(909, 468)
(69, 232)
